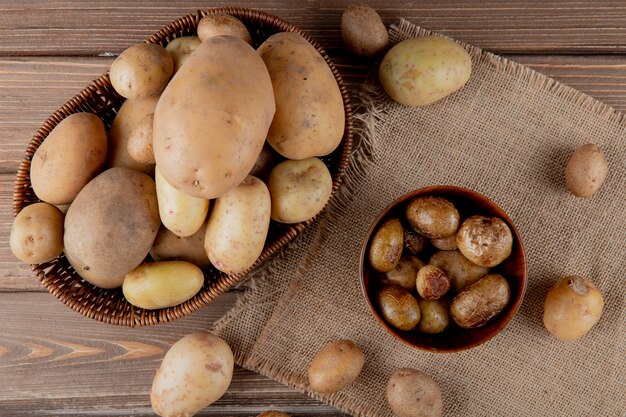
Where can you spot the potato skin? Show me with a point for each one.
(422, 70)
(432, 282)
(414, 243)
(110, 226)
(386, 246)
(130, 117)
(572, 307)
(238, 226)
(167, 246)
(586, 171)
(435, 315)
(141, 71)
(398, 307)
(195, 373)
(310, 117)
(404, 274)
(480, 302)
(363, 31)
(181, 48)
(445, 243)
(299, 189)
(222, 25)
(411, 393)
(207, 150)
(37, 233)
(164, 284)
(485, 241)
(459, 269)
(139, 145)
(73, 153)
(433, 217)
(336, 366)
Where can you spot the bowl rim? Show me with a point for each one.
(441, 190)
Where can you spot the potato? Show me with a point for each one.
(432, 282)
(141, 71)
(73, 153)
(480, 302)
(414, 243)
(445, 243)
(405, 273)
(162, 284)
(398, 307)
(273, 414)
(264, 164)
(195, 373)
(181, 48)
(310, 117)
(435, 315)
(206, 150)
(139, 145)
(485, 241)
(363, 30)
(37, 233)
(181, 213)
(386, 246)
(222, 25)
(411, 393)
(420, 71)
(130, 118)
(299, 189)
(460, 271)
(167, 246)
(336, 366)
(586, 170)
(238, 226)
(433, 217)
(110, 226)
(572, 307)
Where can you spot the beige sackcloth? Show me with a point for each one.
(507, 134)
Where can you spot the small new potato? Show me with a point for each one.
(586, 171)
(414, 243)
(386, 246)
(181, 213)
(238, 225)
(139, 145)
(195, 373)
(433, 217)
(459, 269)
(398, 307)
(73, 153)
(141, 71)
(435, 315)
(420, 71)
(445, 243)
(222, 25)
(572, 307)
(363, 30)
(485, 241)
(480, 302)
(411, 393)
(181, 48)
(167, 247)
(37, 233)
(336, 366)
(299, 189)
(162, 284)
(432, 282)
(404, 273)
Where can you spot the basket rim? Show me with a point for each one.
(211, 291)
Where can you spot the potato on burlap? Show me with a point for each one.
(336, 366)
(586, 170)
(411, 393)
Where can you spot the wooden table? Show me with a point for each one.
(55, 362)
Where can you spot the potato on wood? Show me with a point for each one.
(37, 233)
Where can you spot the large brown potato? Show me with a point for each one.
(310, 116)
(363, 31)
(212, 119)
(336, 366)
(72, 154)
(141, 71)
(411, 393)
(37, 233)
(110, 226)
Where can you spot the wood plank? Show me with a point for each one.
(68, 364)
(59, 27)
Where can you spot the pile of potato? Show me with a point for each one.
(214, 140)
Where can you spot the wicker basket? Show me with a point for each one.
(99, 98)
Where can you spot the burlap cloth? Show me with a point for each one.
(507, 134)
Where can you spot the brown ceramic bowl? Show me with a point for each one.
(453, 339)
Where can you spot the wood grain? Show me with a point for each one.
(60, 27)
